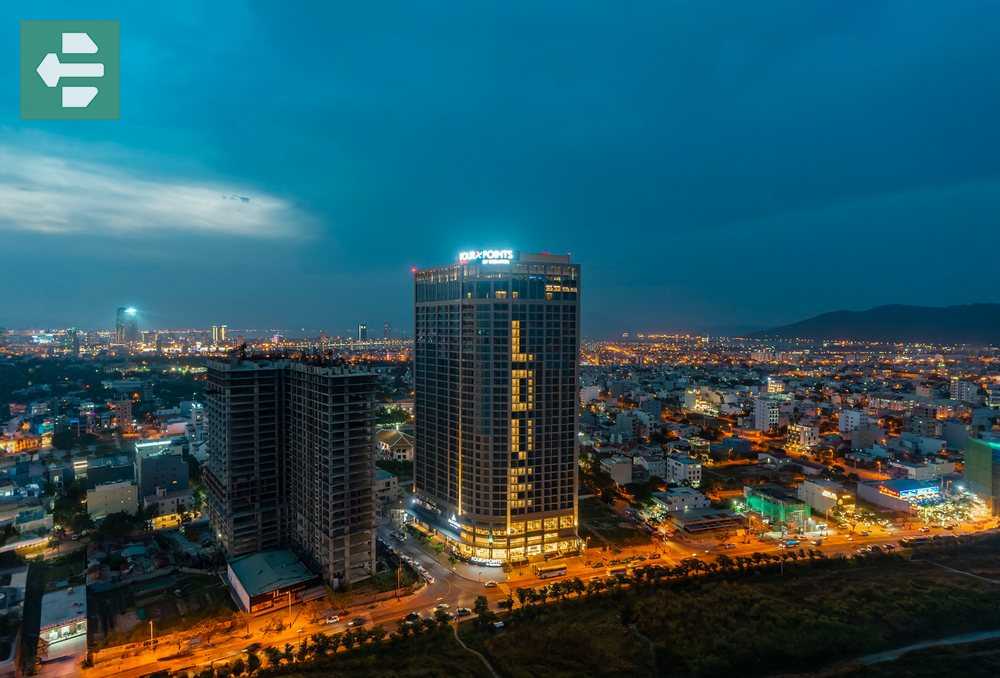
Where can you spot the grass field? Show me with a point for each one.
(973, 660)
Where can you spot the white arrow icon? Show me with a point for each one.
(51, 70)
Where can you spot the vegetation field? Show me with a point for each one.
(601, 520)
(813, 616)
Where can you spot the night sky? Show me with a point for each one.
(712, 166)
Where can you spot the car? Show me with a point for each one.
(888, 547)
(598, 564)
(640, 558)
(850, 537)
(730, 546)
(865, 534)
(463, 612)
(75, 537)
(949, 527)
(430, 579)
(442, 606)
(924, 529)
(816, 542)
(413, 616)
(252, 647)
(333, 619)
(654, 556)
(490, 584)
(357, 621)
(498, 626)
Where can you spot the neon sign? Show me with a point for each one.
(486, 256)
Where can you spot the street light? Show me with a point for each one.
(151, 635)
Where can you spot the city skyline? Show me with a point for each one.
(692, 170)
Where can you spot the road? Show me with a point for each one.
(460, 585)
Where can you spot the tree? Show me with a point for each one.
(379, 633)
(522, 595)
(273, 655)
(320, 643)
(481, 606)
(241, 618)
(63, 439)
(442, 617)
(238, 667)
(253, 662)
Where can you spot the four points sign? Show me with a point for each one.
(69, 70)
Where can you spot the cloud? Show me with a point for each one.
(42, 192)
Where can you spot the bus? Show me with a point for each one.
(616, 571)
(549, 571)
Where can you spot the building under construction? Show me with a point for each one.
(290, 461)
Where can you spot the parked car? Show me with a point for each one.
(413, 616)
(442, 606)
(654, 556)
(463, 612)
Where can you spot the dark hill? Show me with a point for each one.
(969, 324)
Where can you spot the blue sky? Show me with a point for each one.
(711, 165)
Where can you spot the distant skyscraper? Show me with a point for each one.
(386, 330)
(496, 363)
(362, 332)
(74, 342)
(290, 462)
(222, 334)
(215, 335)
(126, 325)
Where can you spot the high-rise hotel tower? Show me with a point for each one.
(496, 361)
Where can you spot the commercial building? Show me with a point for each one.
(982, 471)
(767, 411)
(778, 507)
(386, 487)
(902, 495)
(290, 461)
(619, 467)
(824, 495)
(63, 618)
(111, 486)
(803, 436)
(161, 474)
(683, 469)
(271, 579)
(496, 360)
(680, 499)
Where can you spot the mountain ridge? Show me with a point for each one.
(977, 323)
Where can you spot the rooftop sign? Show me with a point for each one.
(486, 256)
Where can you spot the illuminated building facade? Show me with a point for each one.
(496, 361)
(982, 471)
(290, 462)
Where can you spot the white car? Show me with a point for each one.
(490, 584)
(332, 620)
